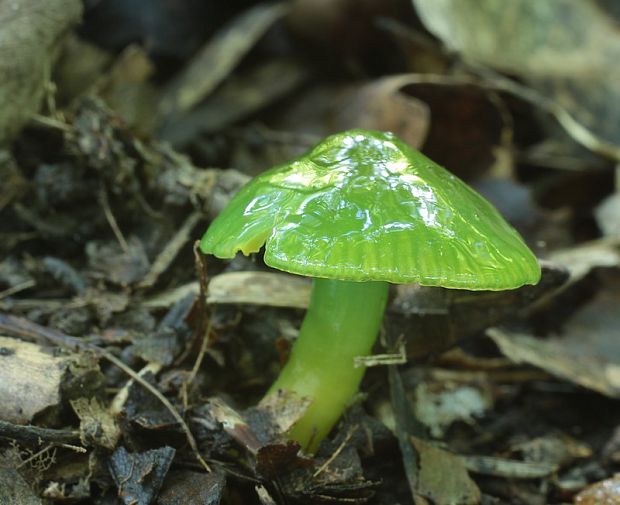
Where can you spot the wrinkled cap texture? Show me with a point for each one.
(362, 206)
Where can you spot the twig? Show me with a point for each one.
(203, 328)
(169, 252)
(74, 448)
(119, 400)
(155, 392)
(397, 358)
(199, 358)
(50, 122)
(35, 434)
(105, 204)
(335, 454)
(17, 288)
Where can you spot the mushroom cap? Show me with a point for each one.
(365, 206)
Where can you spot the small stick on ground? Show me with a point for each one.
(203, 328)
(35, 434)
(105, 204)
(169, 252)
(329, 461)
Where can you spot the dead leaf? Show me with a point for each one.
(432, 472)
(553, 449)
(14, 490)
(443, 477)
(581, 259)
(339, 479)
(127, 90)
(586, 353)
(273, 460)
(30, 32)
(234, 424)
(62, 491)
(237, 99)
(118, 264)
(344, 30)
(567, 50)
(184, 486)
(377, 105)
(466, 124)
(97, 425)
(285, 408)
(21, 364)
(381, 105)
(79, 67)
(140, 475)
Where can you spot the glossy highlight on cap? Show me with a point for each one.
(365, 206)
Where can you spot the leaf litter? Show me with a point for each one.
(504, 398)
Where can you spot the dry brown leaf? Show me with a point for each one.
(375, 105)
(443, 477)
(586, 353)
(97, 426)
(30, 379)
(30, 31)
(380, 105)
(566, 50)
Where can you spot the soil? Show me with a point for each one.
(132, 366)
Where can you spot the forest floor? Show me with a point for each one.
(132, 366)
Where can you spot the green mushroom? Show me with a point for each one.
(360, 210)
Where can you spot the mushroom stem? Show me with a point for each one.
(342, 322)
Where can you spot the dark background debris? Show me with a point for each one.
(126, 126)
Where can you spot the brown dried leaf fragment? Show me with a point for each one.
(30, 32)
